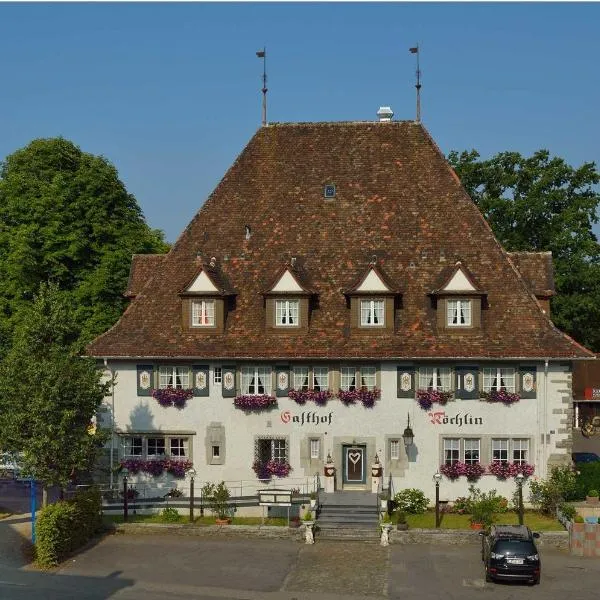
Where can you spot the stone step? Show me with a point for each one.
(349, 533)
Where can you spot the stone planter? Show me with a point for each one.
(592, 499)
(223, 521)
(477, 526)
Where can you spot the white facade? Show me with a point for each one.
(312, 432)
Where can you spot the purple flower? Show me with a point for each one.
(154, 467)
(501, 395)
(172, 396)
(266, 470)
(178, 467)
(260, 402)
(426, 398)
(133, 465)
(364, 395)
(472, 471)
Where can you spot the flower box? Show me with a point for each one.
(272, 468)
(503, 470)
(172, 396)
(458, 469)
(157, 466)
(303, 396)
(256, 403)
(500, 396)
(427, 398)
(365, 396)
(178, 467)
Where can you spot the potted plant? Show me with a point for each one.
(482, 514)
(592, 497)
(401, 523)
(216, 497)
(313, 500)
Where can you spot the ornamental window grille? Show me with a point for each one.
(203, 313)
(435, 378)
(287, 313)
(256, 381)
(271, 448)
(173, 377)
(498, 378)
(372, 313)
(459, 313)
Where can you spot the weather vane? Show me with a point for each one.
(263, 54)
(415, 50)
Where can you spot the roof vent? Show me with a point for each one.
(385, 114)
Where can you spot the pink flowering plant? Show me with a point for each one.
(303, 396)
(271, 468)
(364, 395)
(178, 467)
(472, 471)
(504, 470)
(133, 465)
(172, 396)
(256, 403)
(501, 395)
(157, 466)
(427, 398)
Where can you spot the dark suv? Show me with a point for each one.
(509, 552)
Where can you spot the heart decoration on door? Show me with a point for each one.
(354, 457)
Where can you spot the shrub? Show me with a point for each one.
(588, 478)
(461, 505)
(578, 519)
(65, 526)
(568, 510)
(592, 493)
(547, 494)
(412, 501)
(169, 515)
(217, 498)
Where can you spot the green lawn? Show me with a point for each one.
(535, 521)
(201, 521)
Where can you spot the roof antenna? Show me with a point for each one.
(415, 50)
(263, 54)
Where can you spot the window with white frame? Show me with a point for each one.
(520, 451)
(451, 451)
(301, 378)
(394, 449)
(348, 378)
(156, 447)
(472, 451)
(498, 378)
(217, 375)
(372, 313)
(499, 450)
(133, 446)
(173, 377)
(368, 377)
(271, 449)
(435, 378)
(287, 313)
(315, 448)
(459, 313)
(256, 380)
(320, 379)
(178, 447)
(203, 313)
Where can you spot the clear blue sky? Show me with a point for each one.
(170, 93)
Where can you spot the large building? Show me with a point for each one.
(338, 283)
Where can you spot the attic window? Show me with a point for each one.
(248, 232)
(329, 191)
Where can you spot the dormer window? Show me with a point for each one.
(459, 313)
(203, 313)
(372, 313)
(287, 313)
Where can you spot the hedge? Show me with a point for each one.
(63, 527)
(588, 479)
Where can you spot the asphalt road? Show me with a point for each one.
(153, 567)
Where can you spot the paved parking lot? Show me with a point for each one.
(149, 567)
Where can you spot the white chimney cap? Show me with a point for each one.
(385, 114)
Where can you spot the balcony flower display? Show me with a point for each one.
(257, 403)
(178, 467)
(472, 471)
(271, 468)
(155, 467)
(133, 465)
(426, 398)
(303, 396)
(363, 394)
(172, 396)
(500, 396)
(504, 470)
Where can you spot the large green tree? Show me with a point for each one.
(66, 217)
(542, 203)
(49, 394)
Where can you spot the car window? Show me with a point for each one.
(514, 547)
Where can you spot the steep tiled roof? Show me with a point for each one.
(537, 271)
(142, 267)
(396, 199)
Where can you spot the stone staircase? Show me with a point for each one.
(348, 515)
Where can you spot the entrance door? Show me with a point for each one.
(354, 464)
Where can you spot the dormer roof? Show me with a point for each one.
(372, 281)
(290, 279)
(458, 280)
(208, 280)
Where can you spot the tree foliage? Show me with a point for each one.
(541, 203)
(66, 217)
(48, 393)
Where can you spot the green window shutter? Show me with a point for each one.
(145, 380)
(405, 381)
(228, 382)
(528, 382)
(282, 381)
(200, 381)
(467, 383)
